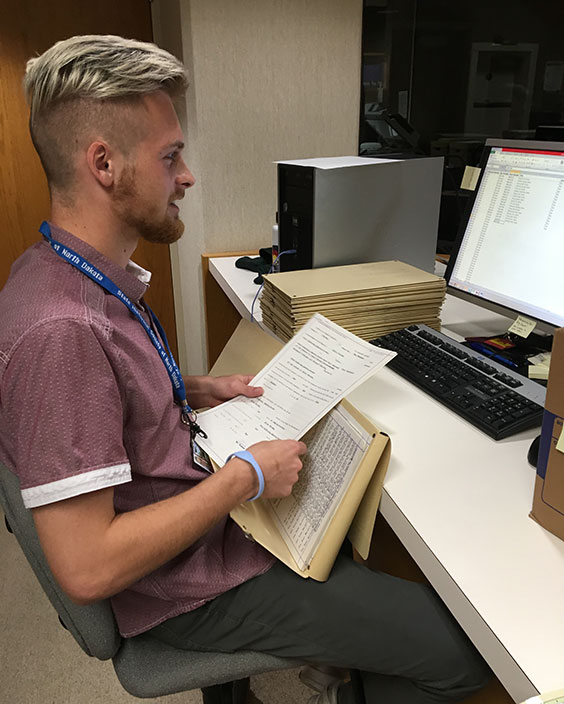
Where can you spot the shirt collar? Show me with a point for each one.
(133, 280)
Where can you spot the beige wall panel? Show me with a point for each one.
(273, 79)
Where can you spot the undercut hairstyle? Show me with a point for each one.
(81, 88)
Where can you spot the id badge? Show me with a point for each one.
(201, 458)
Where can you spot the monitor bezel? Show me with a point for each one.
(499, 308)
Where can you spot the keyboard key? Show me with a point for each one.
(482, 366)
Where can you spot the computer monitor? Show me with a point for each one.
(509, 255)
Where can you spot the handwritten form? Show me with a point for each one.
(318, 367)
(335, 448)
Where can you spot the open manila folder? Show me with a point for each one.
(247, 352)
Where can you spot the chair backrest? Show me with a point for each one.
(93, 627)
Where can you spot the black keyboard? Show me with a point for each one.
(492, 397)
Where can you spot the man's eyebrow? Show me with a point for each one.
(174, 145)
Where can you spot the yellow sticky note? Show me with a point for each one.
(522, 326)
(537, 371)
(470, 178)
(560, 443)
(556, 697)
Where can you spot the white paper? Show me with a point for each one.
(336, 162)
(318, 367)
(335, 448)
(542, 359)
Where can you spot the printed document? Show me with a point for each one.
(318, 367)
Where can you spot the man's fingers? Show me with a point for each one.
(256, 390)
(252, 391)
(240, 386)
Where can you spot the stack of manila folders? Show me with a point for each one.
(369, 300)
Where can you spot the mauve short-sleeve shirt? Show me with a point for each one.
(86, 403)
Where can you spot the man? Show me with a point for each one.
(96, 424)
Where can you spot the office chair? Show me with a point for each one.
(144, 666)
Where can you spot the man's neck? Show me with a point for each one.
(107, 237)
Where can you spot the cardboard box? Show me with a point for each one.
(548, 501)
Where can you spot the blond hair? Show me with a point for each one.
(85, 83)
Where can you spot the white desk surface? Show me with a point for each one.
(459, 501)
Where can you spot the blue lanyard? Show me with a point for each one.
(188, 416)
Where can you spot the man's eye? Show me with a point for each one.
(172, 157)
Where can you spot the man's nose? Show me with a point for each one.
(185, 178)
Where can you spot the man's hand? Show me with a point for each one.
(210, 391)
(280, 463)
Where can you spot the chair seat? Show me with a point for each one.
(146, 667)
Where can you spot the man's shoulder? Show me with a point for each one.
(42, 291)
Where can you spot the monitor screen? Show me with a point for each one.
(509, 254)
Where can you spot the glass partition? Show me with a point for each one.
(440, 77)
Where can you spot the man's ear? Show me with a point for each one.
(102, 162)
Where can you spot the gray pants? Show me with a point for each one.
(398, 633)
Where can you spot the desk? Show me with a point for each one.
(459, 503)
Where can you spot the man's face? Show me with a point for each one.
(154, 175)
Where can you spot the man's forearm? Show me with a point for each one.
(198, 390)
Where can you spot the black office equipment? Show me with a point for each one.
(491, 397)
(550, 133)
(533, 453)
(384, 133)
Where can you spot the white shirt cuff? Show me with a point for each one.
(77, 484)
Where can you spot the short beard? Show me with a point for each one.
(127, 206)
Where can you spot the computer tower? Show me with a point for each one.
(348, 210)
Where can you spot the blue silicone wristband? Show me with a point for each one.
(246, 455)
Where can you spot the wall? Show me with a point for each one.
(270, 80)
